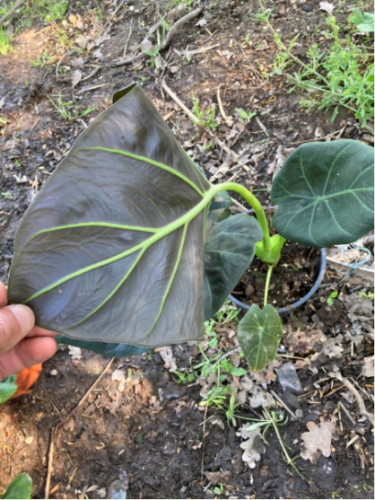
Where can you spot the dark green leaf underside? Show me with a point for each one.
(111, 250)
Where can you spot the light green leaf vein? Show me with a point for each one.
(155, 163)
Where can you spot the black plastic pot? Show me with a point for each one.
(288, 309)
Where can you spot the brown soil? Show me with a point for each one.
(137, 428)
(292, 277)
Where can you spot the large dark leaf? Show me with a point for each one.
(229, 250)
(112, 247)
(325, 193)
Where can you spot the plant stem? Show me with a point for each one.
(281, 45)
(255, 205)
(268, 279)
(283, 447)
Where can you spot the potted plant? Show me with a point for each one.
(128, 246)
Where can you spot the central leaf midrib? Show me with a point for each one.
(159, 234)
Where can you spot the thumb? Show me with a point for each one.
(15, 322)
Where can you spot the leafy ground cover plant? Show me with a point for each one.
(341, 75)
(128, 246)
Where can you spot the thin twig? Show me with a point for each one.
(10, 11)
(203, 440)
(221, 108)
(358, 397)
(187, 53)
(109, 22)
(91, 74)
(63, 421)
(177, 25)
(128, 39)
(291, 413)
(195, 120)
(172, 31)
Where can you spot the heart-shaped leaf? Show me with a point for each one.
(20, 487)
(259, 334)
(111, 249)
(229, 250)
(8, 387)
(325, 193)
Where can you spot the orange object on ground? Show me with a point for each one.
(26, 378)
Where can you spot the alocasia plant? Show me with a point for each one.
(128, 247)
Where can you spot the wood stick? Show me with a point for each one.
(57, 427)
(167, 40)
(195, 120)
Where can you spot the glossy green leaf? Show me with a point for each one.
(325, 193)
(20, 487)
(259, 334)
(8, 387)
(229, 250)
(111, 249)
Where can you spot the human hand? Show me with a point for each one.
(22, 344)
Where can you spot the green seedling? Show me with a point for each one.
(218, 490)
(332, 297)
(128, 246)
(364, 21)
(5, 42)
(68, 110)
(274, 419)
(245, 117)
(42, 60)
(369, 295)
(206, 117)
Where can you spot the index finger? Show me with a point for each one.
(3, 295)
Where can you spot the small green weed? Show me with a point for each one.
(275, 419)
(369, 295)
(42, 60)
(206, 117)
(68, 110)
(343, 75)
(50, 10)
(330, 300)
(5, 42)
(363, 21)
(245, 117)
(220, 395)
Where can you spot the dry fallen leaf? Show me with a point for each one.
(120, 377)
(221, 476)
(317, 441)
(253, 446)
(332, 346)
(76, 77)
(327, 6)
(368, 367)
(75, 352)
(167, 356)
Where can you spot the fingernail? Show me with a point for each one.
(24, 316)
